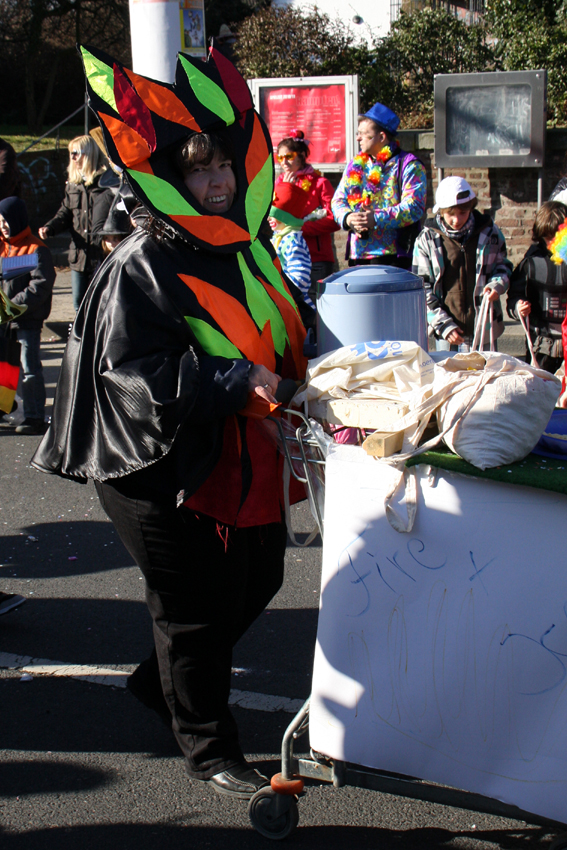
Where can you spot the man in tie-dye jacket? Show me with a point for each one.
(382, 194)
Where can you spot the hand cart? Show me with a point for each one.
(273, 810)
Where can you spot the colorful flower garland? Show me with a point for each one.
(558, 247)
(356, 176)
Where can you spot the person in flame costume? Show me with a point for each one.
(172, 363)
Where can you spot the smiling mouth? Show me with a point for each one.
(216, 199)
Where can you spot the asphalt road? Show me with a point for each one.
(84, 765)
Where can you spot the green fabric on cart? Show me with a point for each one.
(533, 471)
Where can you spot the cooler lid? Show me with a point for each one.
(368, 279)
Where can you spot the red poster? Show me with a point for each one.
(317, 110)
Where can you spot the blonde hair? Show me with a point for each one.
(95, 162)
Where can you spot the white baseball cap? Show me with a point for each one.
(451, 192)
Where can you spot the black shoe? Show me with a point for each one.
(32, 426)
(240, 781)
(9, 601)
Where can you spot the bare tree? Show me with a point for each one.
(38, 50)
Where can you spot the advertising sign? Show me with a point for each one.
(324, 108)
(192, 19)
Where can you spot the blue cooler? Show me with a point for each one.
(365, 303)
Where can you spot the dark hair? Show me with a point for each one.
(296, 144)
(391, 137)
(548, 218)
(202, 147)
(468, 205)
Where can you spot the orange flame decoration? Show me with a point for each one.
(213, 229)
(257, 152)
(162, 101)
(232, 318)
(131, 147)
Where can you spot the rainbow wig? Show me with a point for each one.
(558, 247)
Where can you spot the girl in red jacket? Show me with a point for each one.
(292, 154)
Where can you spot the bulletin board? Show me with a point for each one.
(324, 108)
(442, 653)
(495, 119)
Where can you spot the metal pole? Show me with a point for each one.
(86, 115)
(49, 132)
(539, 187)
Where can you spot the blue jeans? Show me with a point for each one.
(31, 383)
(79, 284)
(445, 345)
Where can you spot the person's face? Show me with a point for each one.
(370, 138)
(274, 223)
(112, 241)
(456, 217)
(77, 157)
(212, 185)
(290, 161)
(4, 228)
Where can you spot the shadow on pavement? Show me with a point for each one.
(63, 549)
(24, 778)
(172, 837)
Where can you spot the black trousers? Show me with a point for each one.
(205, 585)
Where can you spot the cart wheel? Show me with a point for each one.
(560, 843)
(269, 821)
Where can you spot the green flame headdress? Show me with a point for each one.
(144, 121)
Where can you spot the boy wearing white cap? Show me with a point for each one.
(460, 254)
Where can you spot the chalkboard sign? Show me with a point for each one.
(495, 119)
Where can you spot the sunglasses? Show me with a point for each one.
(75, 154)
(286, 157)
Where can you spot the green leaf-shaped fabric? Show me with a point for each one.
(262, 307)
(212, 341)
(162, 194)
(210, 95)
(266, 266)
(259, 196)
(100, 77)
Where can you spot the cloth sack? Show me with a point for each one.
(498, 411)
(391, 370)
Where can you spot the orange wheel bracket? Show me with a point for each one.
(286, 786)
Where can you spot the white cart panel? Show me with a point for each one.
(442, 653)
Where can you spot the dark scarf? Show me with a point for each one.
(458, 235)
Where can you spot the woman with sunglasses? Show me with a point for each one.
(292, 153)
(83, 212)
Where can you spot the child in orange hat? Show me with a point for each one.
(286, 220)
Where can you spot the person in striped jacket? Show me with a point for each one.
(286, 220)
(461, 255)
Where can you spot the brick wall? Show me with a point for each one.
(508, 195)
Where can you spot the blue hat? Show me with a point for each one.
(384, 117)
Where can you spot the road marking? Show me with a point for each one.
(116, 676)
